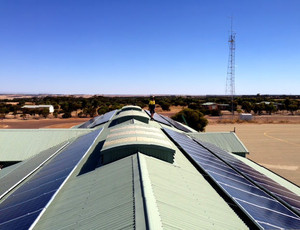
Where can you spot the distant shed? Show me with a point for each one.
(210, 105)
(246, 116)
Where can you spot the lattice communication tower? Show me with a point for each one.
(230, 80)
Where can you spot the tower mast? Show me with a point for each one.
(230, 80)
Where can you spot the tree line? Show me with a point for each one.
(96, 105)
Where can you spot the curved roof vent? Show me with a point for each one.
(126, 115)
(131, 107)
(130, 139)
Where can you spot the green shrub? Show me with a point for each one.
(194, 118)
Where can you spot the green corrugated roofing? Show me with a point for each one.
(131, 107)
(18, 145)
(5, 171)
(114, 196)
(101, 199)
(184, 198)
(131, 114)
(129, 139)
(226, 141)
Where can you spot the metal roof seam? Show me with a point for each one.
(153, 215)
(140, 212)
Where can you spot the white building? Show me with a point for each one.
(51, 108)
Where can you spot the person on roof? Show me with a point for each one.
(152, 106)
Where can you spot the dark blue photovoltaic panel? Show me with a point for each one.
(88, 123)
(175, 124)
(265, 210)
(103, 119)
(158, 118)
(276, 189)
(23, 222)
(98, 120)
(15, 177)
(24, 205)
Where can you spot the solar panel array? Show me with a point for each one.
(276, 189)
(26, 168)
(98, 120)
(264, 210)
(168, 121)
(20, 209)
(158, 118)
(88, 123)
(175, 124)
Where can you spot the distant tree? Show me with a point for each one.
(3, 111)
(194, 105)
(292, 108)
(270, 108)
(45, 112)
(287, 103)
(247, 106)
(258, 108)
(24, 113)
(194, 118)
(15, 112)
(66, 115)
(55, 114)
(215, 112)
(91, 111)
(165, 105)
(102, 110)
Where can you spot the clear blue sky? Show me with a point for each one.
(148, 47)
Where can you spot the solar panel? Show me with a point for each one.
(98, 120)
(158, 118)
(88, 123)
(103, 119)
(176, 124)
(276, 189)
(265, 211)
(25, 204)
(14, 178)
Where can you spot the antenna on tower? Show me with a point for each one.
(230, 80)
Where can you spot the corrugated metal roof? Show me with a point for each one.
(185, 199)
(18, 145)
(115, 196)
(226, 141)
(9, 169)
(130, 114)
(126, 140)
(101, 199)
(131, 107)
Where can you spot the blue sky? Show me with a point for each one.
(148, 47)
